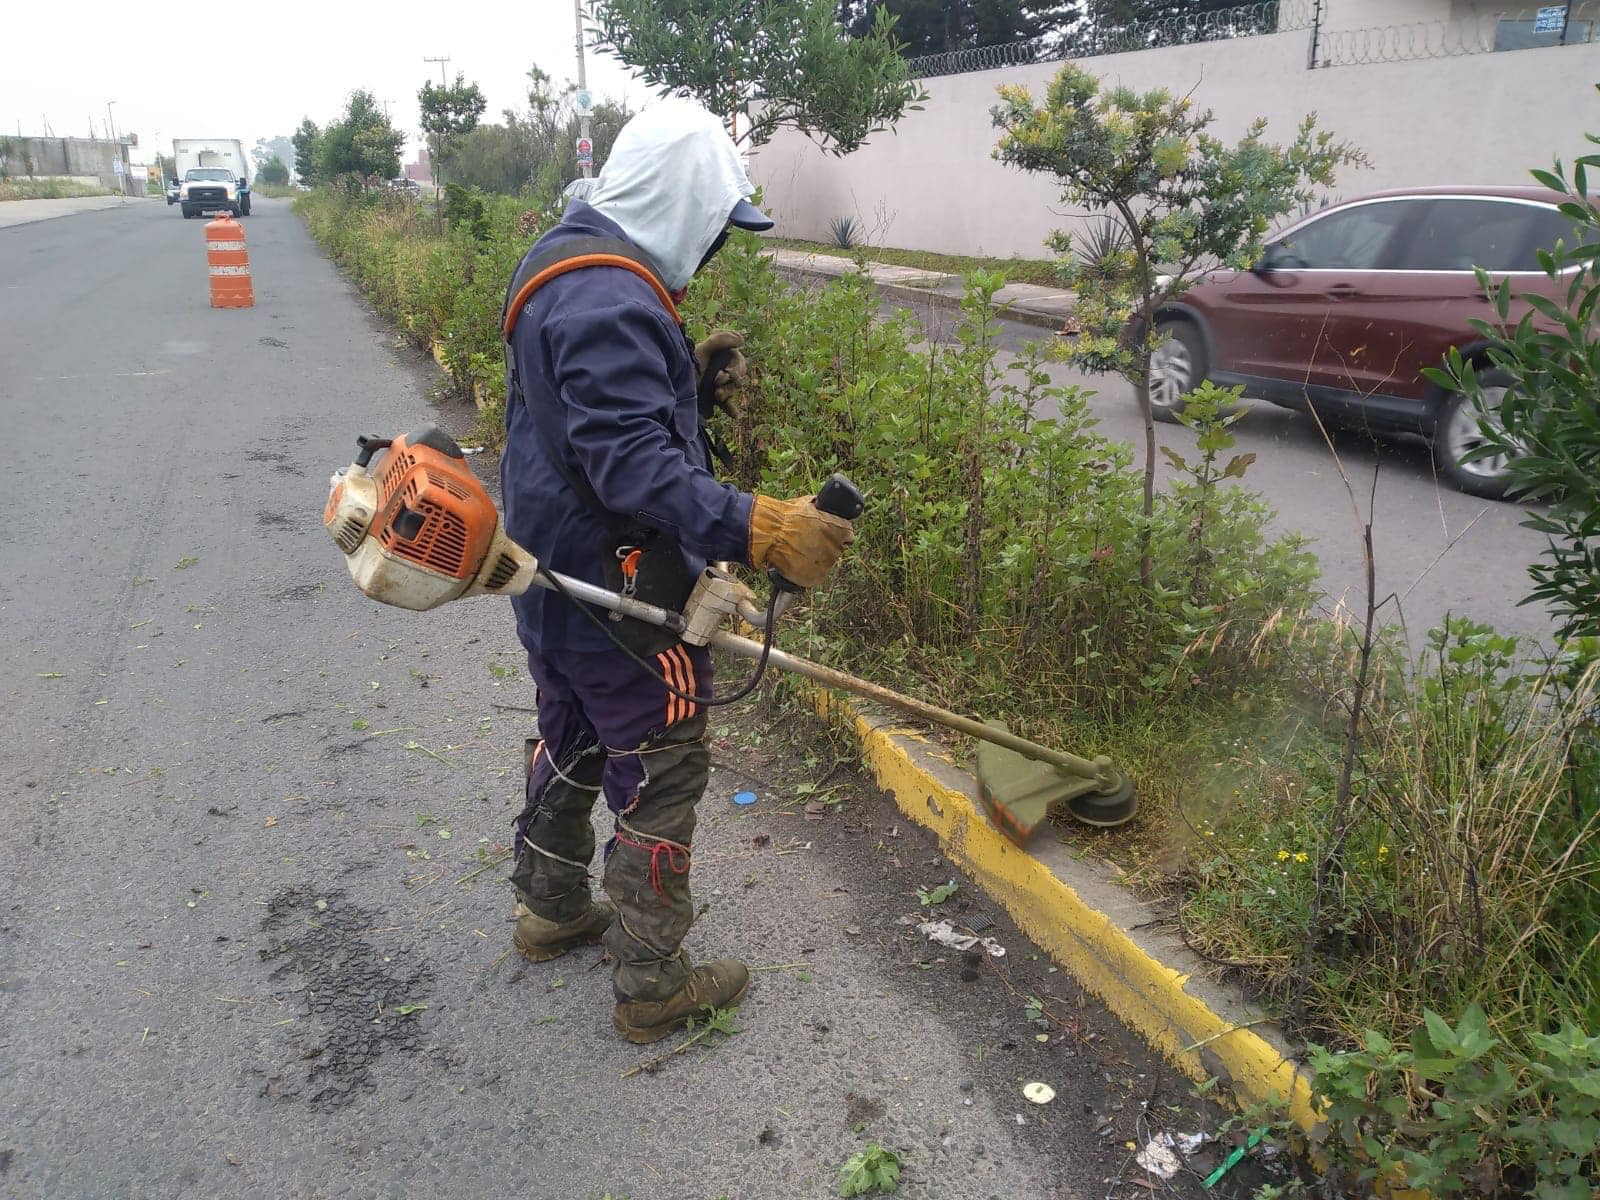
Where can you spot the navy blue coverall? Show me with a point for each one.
(608, 384)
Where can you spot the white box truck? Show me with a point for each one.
(212, 176)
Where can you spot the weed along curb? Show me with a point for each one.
(480, 398)
(1091, 926)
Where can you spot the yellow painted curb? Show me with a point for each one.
(1148, 996)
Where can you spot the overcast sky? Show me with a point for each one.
(254, 71)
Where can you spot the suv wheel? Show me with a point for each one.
(1177, 367)
(1456, 433)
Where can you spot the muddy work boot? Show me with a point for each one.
(721, 983)
(539, 939)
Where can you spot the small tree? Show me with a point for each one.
(1185, 201)
(362, 143)
(280, 148)
(1548, 424)
(305, 142)
(273, 173)
(789, 54)
(446, 113)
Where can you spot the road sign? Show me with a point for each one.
(1550, 19)
(584, 103)
(117, 166)
(585, 152)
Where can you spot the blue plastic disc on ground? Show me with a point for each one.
(744, 797)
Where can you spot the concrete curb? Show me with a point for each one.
(1017, 311)
(1091, 926)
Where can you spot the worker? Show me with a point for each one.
(606, 477)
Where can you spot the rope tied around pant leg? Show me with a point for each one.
(676, 854)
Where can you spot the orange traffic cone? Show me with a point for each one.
(229, 264)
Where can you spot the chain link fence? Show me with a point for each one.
(1549, 25)
(1089, 41)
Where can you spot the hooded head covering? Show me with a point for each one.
(672, 182)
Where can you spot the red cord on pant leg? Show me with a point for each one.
(676, 854)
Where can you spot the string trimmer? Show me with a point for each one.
(418, 530)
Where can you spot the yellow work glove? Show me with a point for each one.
(797, 538)
(731, 379)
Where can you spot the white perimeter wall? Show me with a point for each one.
(932, 185)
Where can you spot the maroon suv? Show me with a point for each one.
(1347, 306)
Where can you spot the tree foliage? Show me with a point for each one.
(362, 143)
(273, 172)
(447, 113)
(280, 148)
(1548, 423)
(790, 54)
(938, 26)
(1185, 200)
(536, 146)
(305, 141)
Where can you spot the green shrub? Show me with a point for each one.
(440, 280)
(1001, 537)
(1462, 1113)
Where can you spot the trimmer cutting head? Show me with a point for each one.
(1019, 793)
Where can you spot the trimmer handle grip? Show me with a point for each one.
(838, 497)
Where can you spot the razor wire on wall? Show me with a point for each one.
(1088, 40)
(1485, 33)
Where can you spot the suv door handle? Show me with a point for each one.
(1343, 291)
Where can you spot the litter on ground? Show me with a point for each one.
(944, 933)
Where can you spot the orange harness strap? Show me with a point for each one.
(526, 291)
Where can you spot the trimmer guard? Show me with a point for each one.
(1019, 793)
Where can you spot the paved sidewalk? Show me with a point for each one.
(24, 212)
(1028, 303)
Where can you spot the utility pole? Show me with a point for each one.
(433, 163)
(116, 151)
(583, 82)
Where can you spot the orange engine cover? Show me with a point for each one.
(431, 509)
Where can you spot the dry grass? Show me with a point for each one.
(47, 189)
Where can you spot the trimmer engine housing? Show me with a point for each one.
(417, 528)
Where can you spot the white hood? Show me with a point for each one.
(671, 180)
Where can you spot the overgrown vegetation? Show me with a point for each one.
(1000, 555)
(47, 188)
(438, 285)
(998, 570)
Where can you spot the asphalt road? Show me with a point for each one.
(246, 947)
(1436, 551)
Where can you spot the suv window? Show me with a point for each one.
(1351, 239)
(1497, 235)
(1550, 227)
